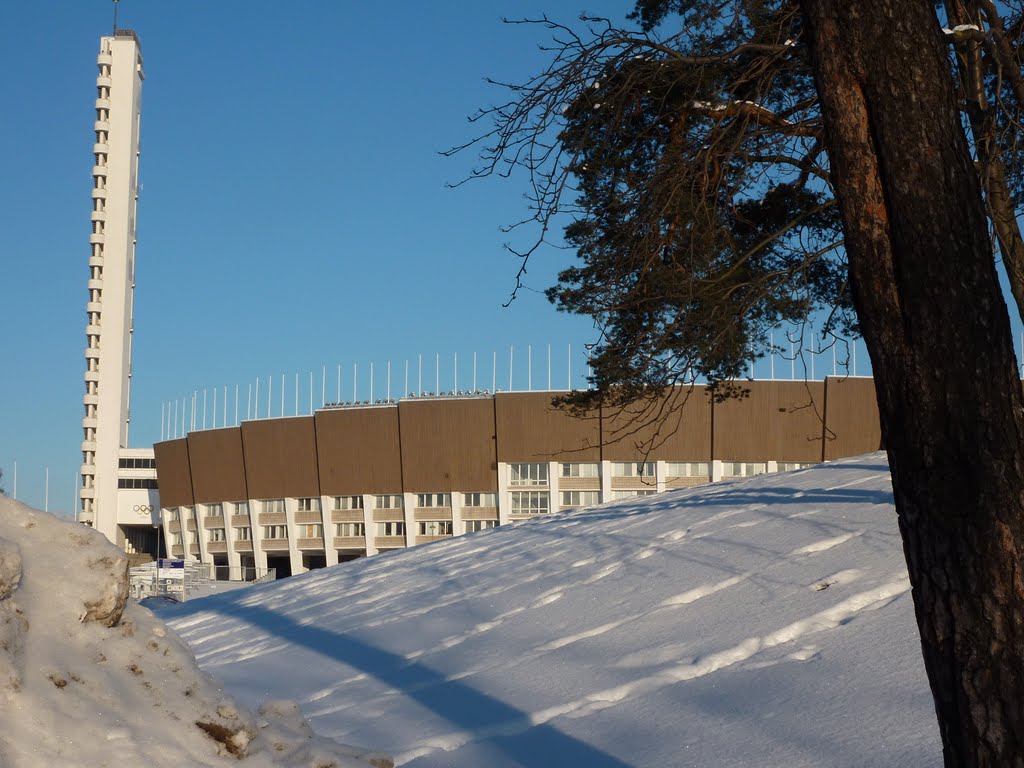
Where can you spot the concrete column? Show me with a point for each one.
(326, 505)
(457, 529)
(554, 474)
(661, 471)
(234, 559)
(368, 524)
(259, 556)
(408, 503)
(504, 497)
(716, 470)
(294, 555)
(204, 555)
(606, 481)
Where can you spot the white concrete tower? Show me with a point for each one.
(111, 279)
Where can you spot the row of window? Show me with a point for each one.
(383, 501)
(523, 502)
(354, 530)
(136, 463)
(537, 473)
(137, 482)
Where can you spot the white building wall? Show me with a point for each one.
(111, 278)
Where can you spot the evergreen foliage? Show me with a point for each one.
(687, 153)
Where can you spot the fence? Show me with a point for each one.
(182, 579)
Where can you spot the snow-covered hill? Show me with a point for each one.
(88, 679)
(765, 622)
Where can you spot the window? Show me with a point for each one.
(686, 469)
(273, 506)
(789, 466)
(434, 528)
(479, 499)
(528, 474)
(581, 470)
(348, 502)
(350, 529)
(173, 514)
(241, 507)
(580, 498)
(176, 539)
(743, 468)
(530, 502)
(136, 482)
(136, 463)
(275, 531)
(472, 526)
(630, 494)
(633, 469)
(243, 534)
(311, 531)
(388, 501)
(309, 505)
(389, 529)
(214, 510)
(433, 500)
(215, 534)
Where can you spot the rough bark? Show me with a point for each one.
(937, 329)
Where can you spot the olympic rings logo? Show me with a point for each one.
(142, 509)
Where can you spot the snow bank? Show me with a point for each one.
(90, 679)
(761, 622)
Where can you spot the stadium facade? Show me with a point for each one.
(302, 492)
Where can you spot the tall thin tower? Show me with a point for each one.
(108, 350)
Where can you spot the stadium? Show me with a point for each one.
(301, 492)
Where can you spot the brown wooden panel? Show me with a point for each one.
(448, 445)
(851, 418)
(280, 458)
(777, 420)
(530, 429)
(676, 427)
(358, 451)
(173, 474)
(218, 470)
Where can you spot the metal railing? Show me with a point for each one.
(182, 579)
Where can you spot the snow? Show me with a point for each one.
(765, 621)
(961, 28)
(90, 679)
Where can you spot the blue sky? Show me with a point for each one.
(294, 212)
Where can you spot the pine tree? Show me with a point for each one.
(727, 167)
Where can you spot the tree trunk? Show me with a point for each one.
(938, 333)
